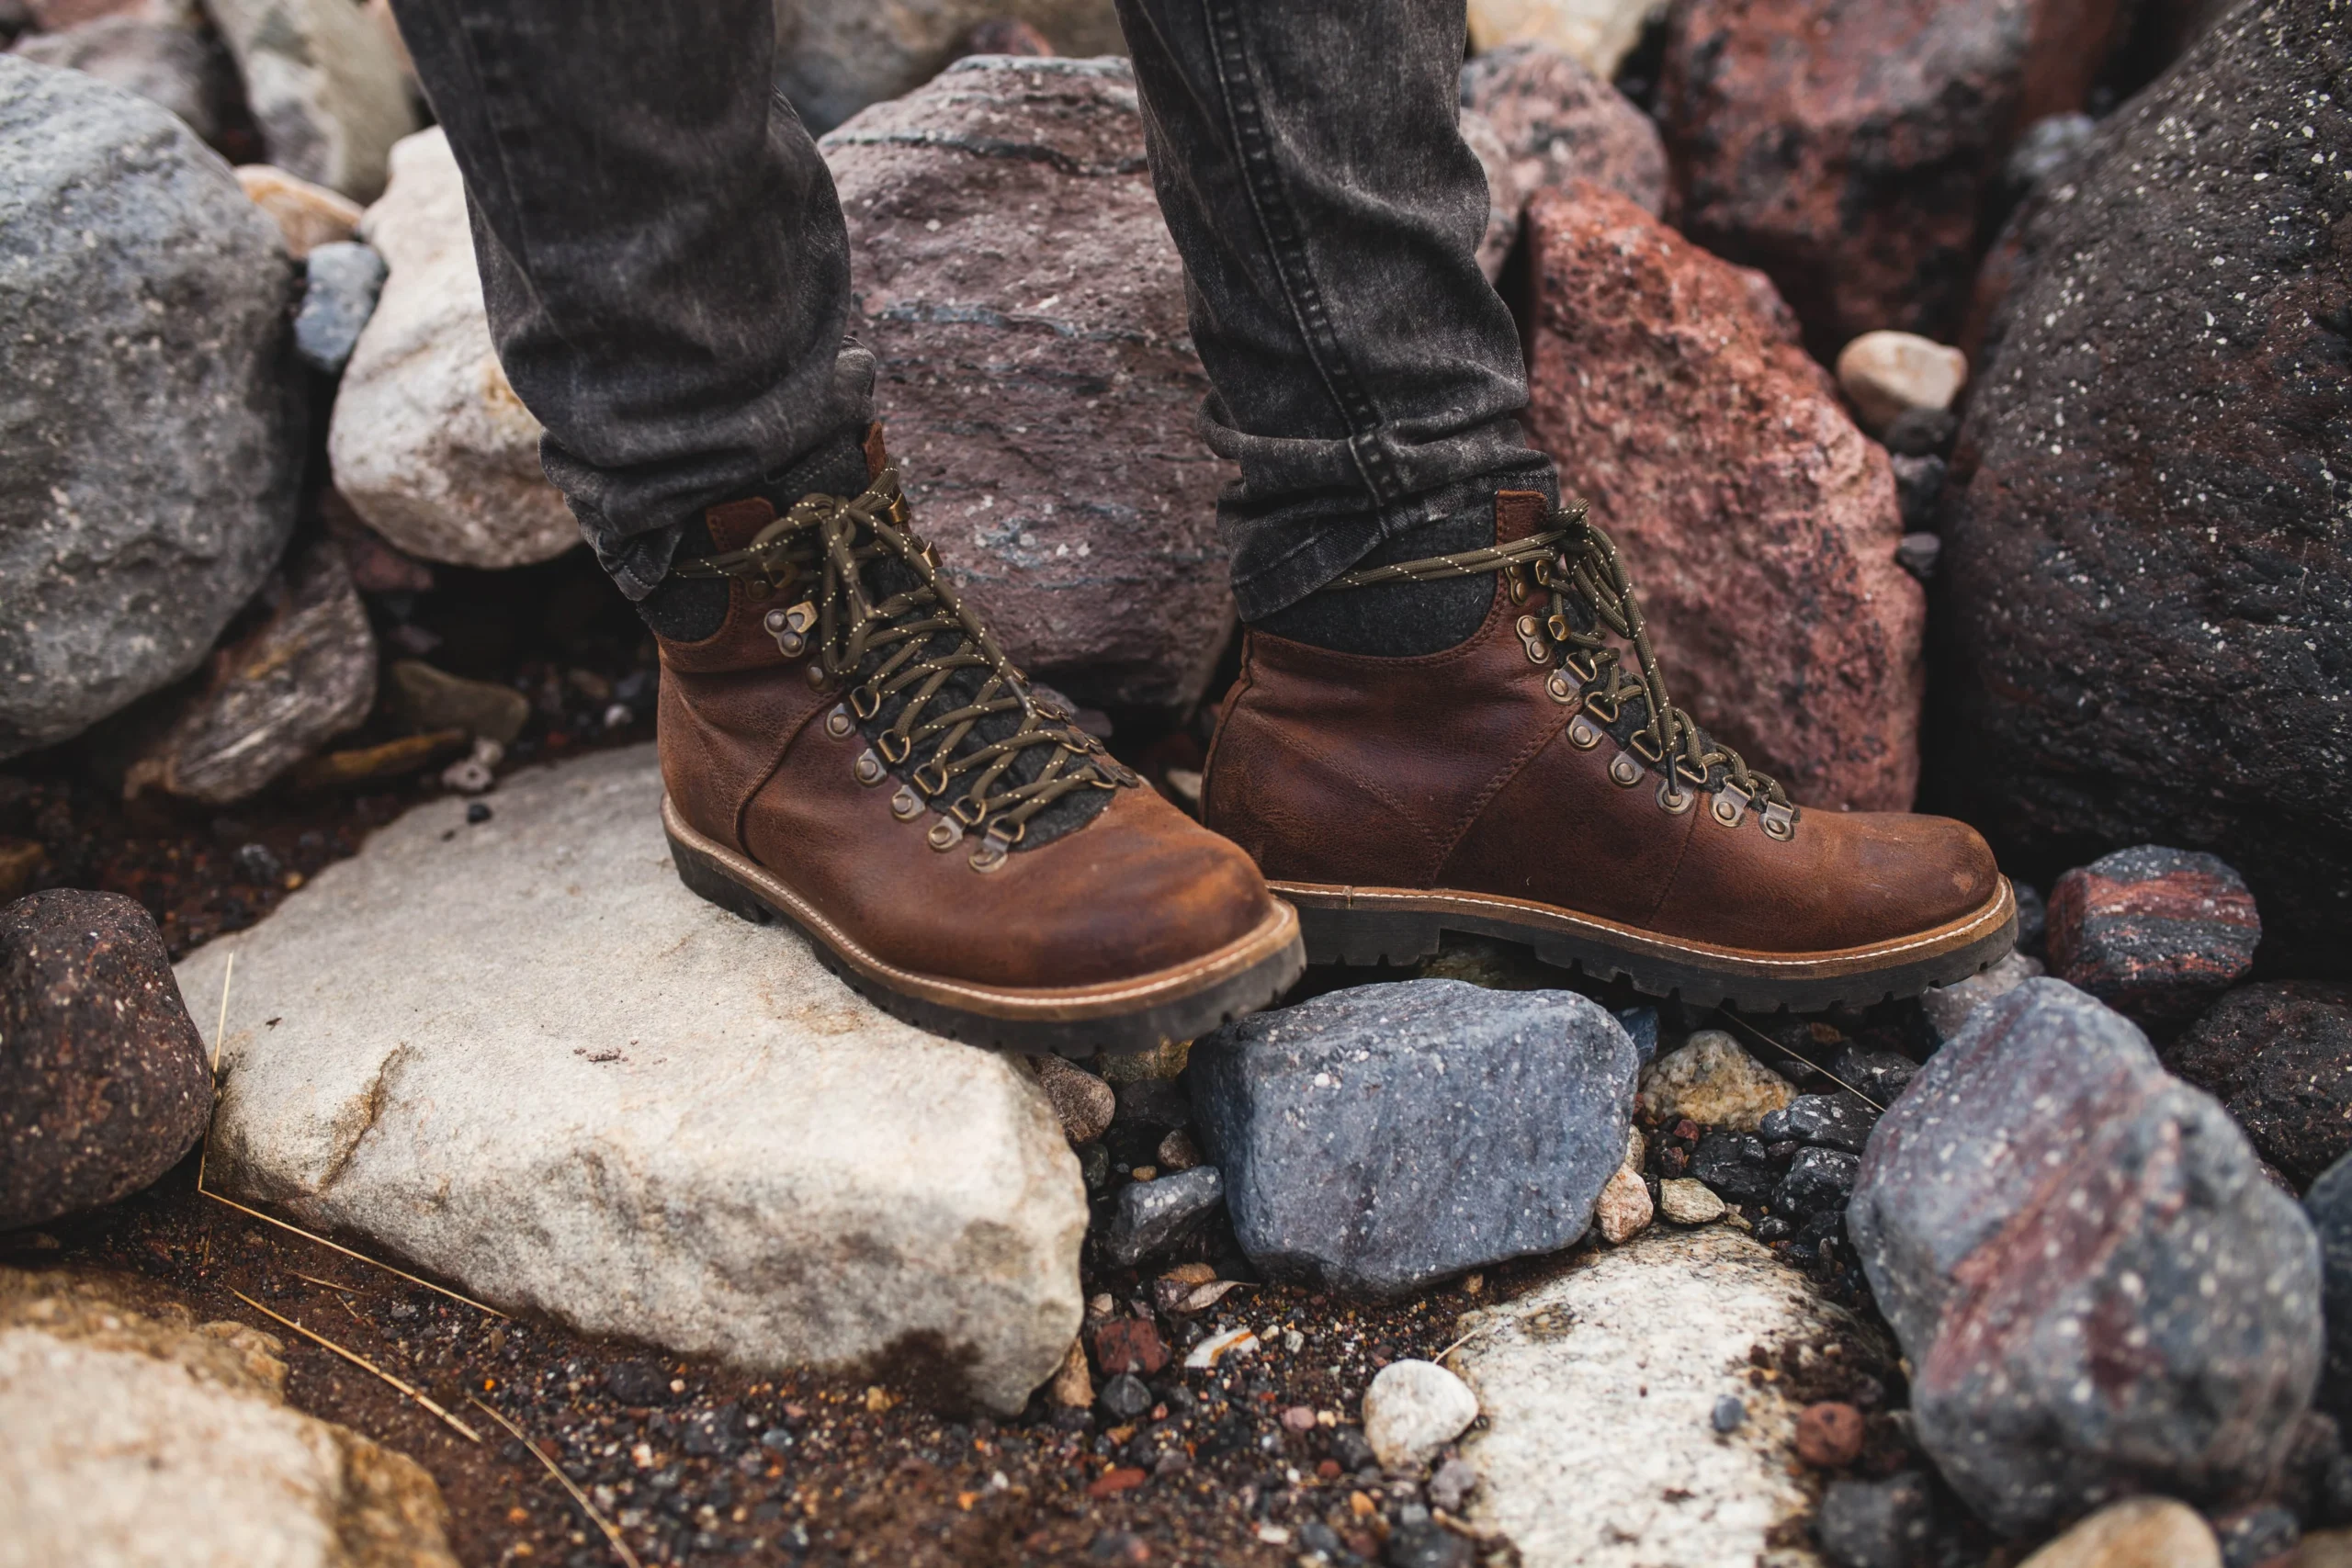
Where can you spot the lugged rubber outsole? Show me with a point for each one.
(1134, 1013)
(1400, 925)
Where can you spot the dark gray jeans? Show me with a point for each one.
(668, 274)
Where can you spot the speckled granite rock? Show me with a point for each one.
(150, 454)
(1376, 1139)
(325, 87)
(2157, 934)
(2098, 1291)
(1851, 150)
(1015, 278)
(1561, 123)
(2150, 638)
(1652, 362)
(103, 1081)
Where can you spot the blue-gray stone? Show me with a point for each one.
(1641, 1027)
(1876, 1524)
(1152, 1214)
(1376, 1139)
(2329, 1205)
(345, 278)
(1730, 1413)
(2098, 1291)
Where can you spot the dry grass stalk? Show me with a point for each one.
(220, 1033)
(365, 1365)
(330, 1285)
(1731, 1017)
(612, 1531)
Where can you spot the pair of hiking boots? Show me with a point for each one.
(850, 750)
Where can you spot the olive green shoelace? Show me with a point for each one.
(965, 706)
(1591, 600)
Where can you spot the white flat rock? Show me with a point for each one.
(521, 1054)
(1600, 1388)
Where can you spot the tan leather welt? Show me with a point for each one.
(1528, 913)
(1049, 1004)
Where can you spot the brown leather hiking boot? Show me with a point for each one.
(1523, 784)
(851, 752)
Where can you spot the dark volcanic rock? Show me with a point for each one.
(2278, 1055)
(1817, 1183)
(1015, 277)
(1831, 1121)
(1849, 151)
(1735, 1165)
(1881, 1075)
(2156, 935)
(2098, 1291)
(1559, 123)
(1154, 1214)
(103, 1081)
(149, 435)
(1378, 1138)
(1876, 1524)
(2145, 534)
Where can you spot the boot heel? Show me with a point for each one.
(705, 880)
(1365, 937)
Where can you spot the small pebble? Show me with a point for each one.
(1729, 1414)
(1124, 1397)
(1830, 1434)
(477, 813)
(1886, 373)
(1452, 1484)
(1413, 1409)
(1688, 1203)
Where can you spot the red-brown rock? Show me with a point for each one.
(1758, 524)
(1850, 148)
(2157, 934)
(1039, 384)
(103, 1080)
(1561, 123)
(1830, 1434)
(1129, 1345)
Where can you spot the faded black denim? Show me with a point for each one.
(668, 274)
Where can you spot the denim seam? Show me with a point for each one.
(1278, 225)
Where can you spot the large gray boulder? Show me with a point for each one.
(1376, 1139)
(150, 435)
(2099, 1291)
(522, 1055)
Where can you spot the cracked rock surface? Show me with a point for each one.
(520, 1054)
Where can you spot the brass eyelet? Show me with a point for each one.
(1530, 629)
(1583, 734)
(1601, 706)
(1582, 666)
(1682, 771)
(756, 587)
(865, 702)
(930, 777)
(945, 833)
(906, 806)
(1517, 585)
(995, 848)
(868, 768)
(1538, 653)
(1730, 806)
(838, 723)
(1672, 800)
(1558, 687)
(1780, 822)
(1623, 771)
(817, 675)
(967, 811)
(884, 741)
(1647, 744)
